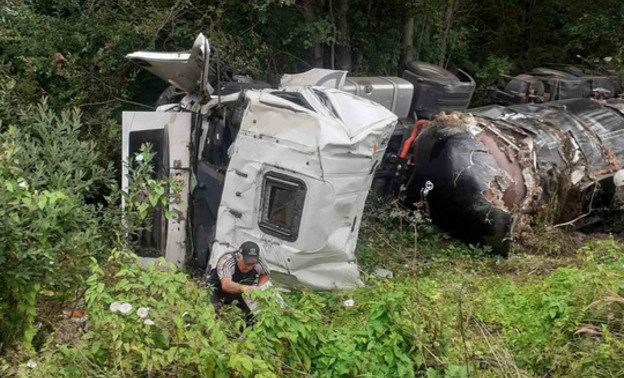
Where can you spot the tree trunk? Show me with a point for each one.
(343, 47)
(358, 56)
(315, 53)
(447, 25)
(424, 32)
(407, 43)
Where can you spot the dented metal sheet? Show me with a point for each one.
(331, 158)
(317, 77)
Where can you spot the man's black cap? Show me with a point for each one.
(250, 252)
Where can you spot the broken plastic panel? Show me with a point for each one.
(437, 89)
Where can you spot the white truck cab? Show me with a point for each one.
(287, 168)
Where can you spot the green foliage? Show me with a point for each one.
(592, 34)
(49, 227)
(304, 340)
(8, 97)
(488, 75)
(551, 324)
(169, 325)
(449, 321)
(54, 215)
(144, 195)
(73, 51)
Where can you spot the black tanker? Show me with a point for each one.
(483, 174)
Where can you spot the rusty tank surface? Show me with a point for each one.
(484, 174)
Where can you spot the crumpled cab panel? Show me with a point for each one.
(298, 179)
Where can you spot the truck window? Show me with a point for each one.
(151, 240)
(281, 205)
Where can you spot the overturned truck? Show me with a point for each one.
(290, 167)
(485, 173)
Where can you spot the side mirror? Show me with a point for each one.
(200, 53)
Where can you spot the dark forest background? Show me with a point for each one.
(72, 51)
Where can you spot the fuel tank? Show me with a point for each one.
(394, 93)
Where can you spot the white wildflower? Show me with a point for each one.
(125, 308)
(31, 364)
(348, 303)
(22, 184)
(114, 307)
(139, 157)
(142, 312)
(51, 262)
(148, 322)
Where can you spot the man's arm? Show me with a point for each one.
(232, 287)
(263, 273)
(225, 270)
(264, 278)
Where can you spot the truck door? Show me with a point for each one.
(169, 134)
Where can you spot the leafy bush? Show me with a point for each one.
(168, 326)
(488, 75)
(50, 225)
(59, 208)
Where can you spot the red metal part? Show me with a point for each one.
(412, 137)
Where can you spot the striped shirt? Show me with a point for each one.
(226, 266)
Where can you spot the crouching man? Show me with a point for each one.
(236, 273)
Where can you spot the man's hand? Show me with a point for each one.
(232, 287)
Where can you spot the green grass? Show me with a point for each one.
(451, 310)
(531, 314)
